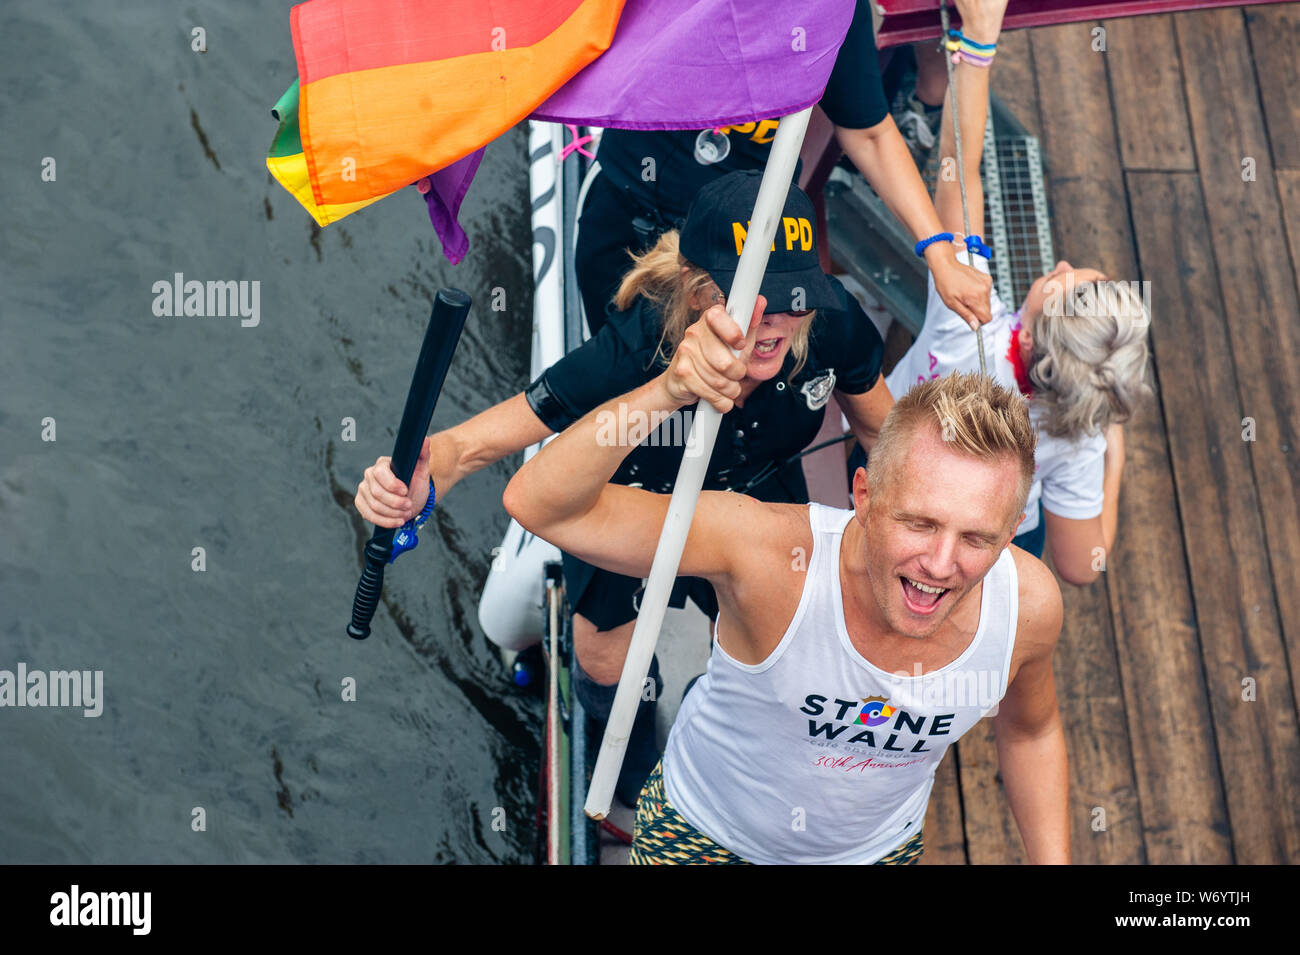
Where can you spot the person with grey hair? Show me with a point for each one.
(1076, 349)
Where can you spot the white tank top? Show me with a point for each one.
(815, 755)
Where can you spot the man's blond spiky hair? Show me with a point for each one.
(972, 413)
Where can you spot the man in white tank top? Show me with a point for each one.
(852, 647)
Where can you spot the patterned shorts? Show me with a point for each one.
(663, 837)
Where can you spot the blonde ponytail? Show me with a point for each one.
(656, 275)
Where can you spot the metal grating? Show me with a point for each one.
(995, 212)
(1028, 250)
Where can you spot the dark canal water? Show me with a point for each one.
(222, 688)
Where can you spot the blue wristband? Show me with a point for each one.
(406, 539)
(975, 244)
(937, 237)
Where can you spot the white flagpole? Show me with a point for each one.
(772, 193)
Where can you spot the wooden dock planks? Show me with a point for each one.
(1105, 820)
(1144, 145)
(1258, 742)
(1256, 281)
(944, 834)
(1288, 190)
(1147, 87)
(1274, 39)
(1184, 818)
(1013, 79)
(992, 836)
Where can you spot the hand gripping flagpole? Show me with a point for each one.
(768, 207)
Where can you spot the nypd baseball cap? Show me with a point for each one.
(714, 235)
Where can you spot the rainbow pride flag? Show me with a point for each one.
(395, 92)
(288, 163)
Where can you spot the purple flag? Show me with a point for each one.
(445, 191)
(690, 64)
(682, 64)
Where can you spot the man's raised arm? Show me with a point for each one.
(563, 493)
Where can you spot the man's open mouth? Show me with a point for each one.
(767, 346)
(921, 598)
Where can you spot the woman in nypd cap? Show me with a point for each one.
(813, 343)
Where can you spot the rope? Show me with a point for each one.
(961, 166)
(771, 467)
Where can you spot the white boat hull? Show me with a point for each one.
(509, 609)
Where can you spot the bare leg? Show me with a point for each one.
(600, 656)
(601, 652)
(931, 73)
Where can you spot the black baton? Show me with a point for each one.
(450, 309)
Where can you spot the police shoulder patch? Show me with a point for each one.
(817, 391)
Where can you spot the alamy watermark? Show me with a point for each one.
(980, 688)
(211, 299)
(77, 688)
(658, 429)
(1068, 297)
(76, 907)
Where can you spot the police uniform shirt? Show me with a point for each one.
(779, 419)
(685, 160)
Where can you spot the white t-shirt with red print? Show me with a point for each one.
(1068, 472)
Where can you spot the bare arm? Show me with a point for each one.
(982, 23)
(484, 439)
(1114, 469)
(563, 493)
(1076, 544)
(1030, 740)
(866, 412)
(973, 100)
(882, 156)
(448, 456)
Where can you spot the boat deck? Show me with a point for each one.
(1174, 157)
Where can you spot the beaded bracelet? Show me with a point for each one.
(973, 243)
(971, 43)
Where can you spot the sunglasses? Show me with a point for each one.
(795, 313)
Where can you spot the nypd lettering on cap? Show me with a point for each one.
(796, 232)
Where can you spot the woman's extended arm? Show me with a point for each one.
(1081, 548)
(854, 100)
(448, 456)
(1077, 547)
(881, 154)
(982, 23)
(1114, 468)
